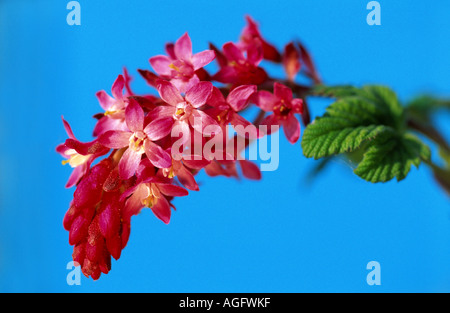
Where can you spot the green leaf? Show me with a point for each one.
(347, 124)
(369, 121)
(388, 102)
(392, 157)
(324, 141)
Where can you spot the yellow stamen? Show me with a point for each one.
(172, 66)
(152, 198)
(76, 159)
(168, 172)
(222, 115)
(64, 162)
(179, 111)
(109, 113)
(148, 202)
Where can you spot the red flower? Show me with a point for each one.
(181, 65)
(251, 36)
(226, 110)
(241, 69)
(144, 168)
(151, 191)
(291, 61)
(283, 107)
(183, 169)
(183, 112)
(138, 139)
(114, 116)
(95, 221)
(79, 155)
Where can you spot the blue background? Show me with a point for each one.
(282, 234)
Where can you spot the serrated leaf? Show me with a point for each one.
(323, 141)
(347, 124)
(369, 121)
(392, 157)
(383, 97)
(388, 102)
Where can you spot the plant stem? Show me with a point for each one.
(431, 132)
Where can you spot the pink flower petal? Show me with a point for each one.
(269, 121)
(214, 169)
(172, 190)
(128, 80)
(151, 78)
(159, 128)
(117, 88)
(233, 53)
(297, 105)
(129, 163)
(106, 124)
(216, 99)
(157, 156)
(68, 128)
(291, 129)
(133, 189)
(194, 163)
(169, 93)
(161, 209)
(85, 148)
(133, 205)
(291, 60)
(181, 129)
(187, 179)
(238, 97)
(250, 170)
(282, 92)
(265, 100)
(199, 94)
(203, 123)
(115, 139)
(105, 100)
(226, 75)
(243, 127)
(160, 64)
(77, 173)
(145, 170)
(134, 116)
(170, 49)
(183, 84)
(183, 48)
(202, 59)
(255, 53)
(160, 112)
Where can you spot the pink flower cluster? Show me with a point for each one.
(136, 131)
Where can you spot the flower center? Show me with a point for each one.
(115, 109)
(282, 109)
(222, 116)
(168, 172)
(75, 159)
(181, 69)
(182, 111)
(137, 141)
(152, 195)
